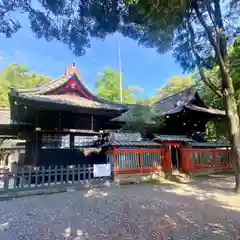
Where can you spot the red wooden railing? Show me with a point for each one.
(138, 160)
(132, 161)
(205, 159)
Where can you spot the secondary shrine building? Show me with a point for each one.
(186, 114)
(62, 123)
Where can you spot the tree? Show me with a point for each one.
(209, 96)
(174, 85)
(197, 31)
(108, 87)
(147, 101)
(217, 129)
(16, 75)
(141, 118)
(234, 59)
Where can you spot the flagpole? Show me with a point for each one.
(120, 74)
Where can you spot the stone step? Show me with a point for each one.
(179, 176)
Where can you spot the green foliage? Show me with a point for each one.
(217, 129)
(209, 97)
(74, 23)
(158, 24)
(18, 76)
(174, 85)
(234, 57)
(141, 118)
(146, 101)
(108, 87)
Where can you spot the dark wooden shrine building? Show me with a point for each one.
(186, 114)
(63, 117)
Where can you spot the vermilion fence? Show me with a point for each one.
(132, 161)
(205, 159)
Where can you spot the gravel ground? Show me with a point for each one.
(142, 212)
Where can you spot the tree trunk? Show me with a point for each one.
(234, 131)
(220, 49)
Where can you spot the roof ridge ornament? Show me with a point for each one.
(70, 70)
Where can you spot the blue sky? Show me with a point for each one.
(142, 67)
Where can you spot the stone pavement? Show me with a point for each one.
(142, 212)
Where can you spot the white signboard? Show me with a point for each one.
(101, 170)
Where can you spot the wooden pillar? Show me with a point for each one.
(189, 165)
(167, 164)
(214, 161)
(184, 160)
(181, 155)
(140, 155)
(92, 123)
(37, 142)
(37, 145)
(72, 141)
(114, 163)
(73, 160)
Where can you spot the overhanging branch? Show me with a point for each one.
(203, 76)
(211, 13)
(220, 31)
(214, 44)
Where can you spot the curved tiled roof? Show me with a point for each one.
(188, 98)
(175, 138)
(132, 144)
(46, 93)
(71, 101)
(44, 88)
(210, 144)
(179, 99)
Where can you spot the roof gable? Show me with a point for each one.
(69, 83)
(176, 100)
(72, 86)
(188, 98)
(68, 87)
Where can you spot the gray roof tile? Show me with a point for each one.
(209, 144)
(71, 100)
(188, 98)
(45, 93)
(132, 143)
(177, 138)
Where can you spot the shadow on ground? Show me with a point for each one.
(142, 212)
